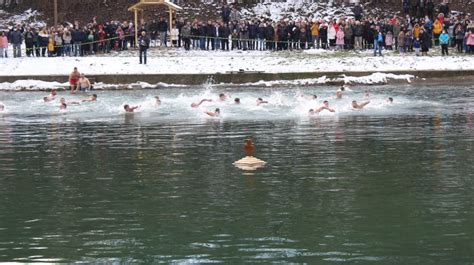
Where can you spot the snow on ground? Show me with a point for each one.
(224, 62)
(302, 9)
(296, 9)
(39, 85)
(375, 78)
(28, 17)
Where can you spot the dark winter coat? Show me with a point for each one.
(144, 42)
(253, 30)
(269, 33)
(16, 38)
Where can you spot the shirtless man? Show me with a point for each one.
(84, 83)
(222, 97)
(51, 96)
(63, 101)
(215, 113)
(311, 97)
(91, 99)
(324, 107)
(73, 79)
(261, 101)
(129, 109)
(338, 95)
(355, 105)
(195, 105)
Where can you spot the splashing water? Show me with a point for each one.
(283, 103)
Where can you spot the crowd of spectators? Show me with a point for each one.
(422, 27)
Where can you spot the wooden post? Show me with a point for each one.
(55, 12)
(136, 27)
(171, 19)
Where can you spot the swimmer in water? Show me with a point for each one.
(324, 107)
(91, 99)
(63, 101)
(311, 112)
(129, 109)
(338, 95)
(214, 113)
(366, 94)
(343, 88)
(51, 96)
(355, 105)
(261, 101)
(311, 97)
(195, 105)
(63, 106)
(222, 97)
(158, 101)
(237, 101)
(390, 100)
(2, 107)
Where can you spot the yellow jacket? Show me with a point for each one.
(51, 45)
(416, 31)
(314, 29)
(437, 27)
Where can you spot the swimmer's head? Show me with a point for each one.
(354, 103)
(2, 107)
(63, 106)
(237, 100)
(311, 111)
(217, 111)
(53, 92)
(94, 96)
(63, 101)
(314, 97)
(45, 99)
(326, 103)
(339, 94)
(126, 107)
(390, 99)
(222, 96)
(343, 88)
(259, 99)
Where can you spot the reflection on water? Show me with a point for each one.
(364, 187)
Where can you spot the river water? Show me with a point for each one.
(389, 184)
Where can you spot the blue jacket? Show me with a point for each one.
(16, 37)
(444, 38)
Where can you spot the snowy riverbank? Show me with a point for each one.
(197, 62)
(174, 68)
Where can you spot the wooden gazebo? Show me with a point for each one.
(142, 4)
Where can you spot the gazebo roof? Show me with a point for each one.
(144, 3)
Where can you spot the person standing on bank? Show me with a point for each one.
(144, 43)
